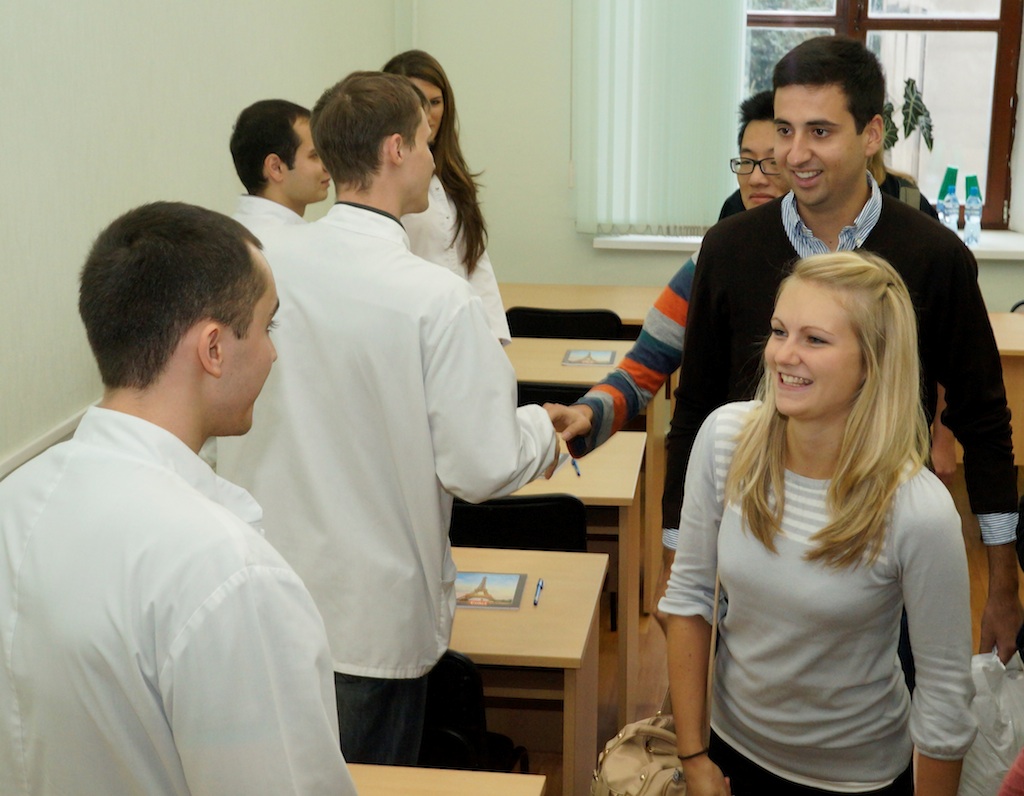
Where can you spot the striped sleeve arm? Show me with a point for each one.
(657, 353)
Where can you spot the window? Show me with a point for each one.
(963, 55)
(654, 113)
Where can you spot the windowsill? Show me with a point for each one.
(995, 245)
(655, 243)
(999, 244)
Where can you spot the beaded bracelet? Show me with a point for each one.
(703, 751)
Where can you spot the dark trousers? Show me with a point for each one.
(747, 777)
(380, 721)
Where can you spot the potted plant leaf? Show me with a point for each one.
(915, 116)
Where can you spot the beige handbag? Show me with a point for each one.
(641, 759)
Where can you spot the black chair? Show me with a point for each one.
(540, 392)
(543, 522)
(577, 324)
(455, 731)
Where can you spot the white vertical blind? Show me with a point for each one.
(656, 88)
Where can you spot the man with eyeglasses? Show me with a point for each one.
(659, 348)
(759, 176)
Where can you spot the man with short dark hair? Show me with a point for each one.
(277, 163)
(754, 168)
(395, 397)
(153, 641)
(829, 93)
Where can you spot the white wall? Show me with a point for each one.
(509, 62)
(106, 104)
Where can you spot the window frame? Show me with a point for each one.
(852, 19)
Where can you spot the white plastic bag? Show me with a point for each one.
(998, 707)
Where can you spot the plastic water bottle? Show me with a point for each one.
(972, 217)
(951, 209)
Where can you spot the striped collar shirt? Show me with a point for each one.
(851, 237)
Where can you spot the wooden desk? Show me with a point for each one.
(1008, 328)
(406, 781)
(559, 634)
(541, 360)
(629, 302)
(609, 477)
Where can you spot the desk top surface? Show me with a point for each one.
(629, 302)
(552, 634)
(608, 476)
(404, 781)
(540, 359)
(1008, 328)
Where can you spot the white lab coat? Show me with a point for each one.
(259, 215)
(389, 395)
(153, 642)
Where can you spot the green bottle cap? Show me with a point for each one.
(971, 181)
(949, 179)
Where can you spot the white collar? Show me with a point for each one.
(260, 206)
(126, 435)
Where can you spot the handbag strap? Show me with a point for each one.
(711, 662)
(666, 705)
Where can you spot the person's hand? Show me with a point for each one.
(1003, 615)
(1000, 621)
(704, 778)
(570, 421)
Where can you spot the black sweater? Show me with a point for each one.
(742, 260)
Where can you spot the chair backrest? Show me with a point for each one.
(523, 522)
(455, 727)
(540, 392)
(573, 324)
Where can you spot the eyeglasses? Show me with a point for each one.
(768, 166)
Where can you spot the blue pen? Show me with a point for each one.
(576, 467)
(536, 594)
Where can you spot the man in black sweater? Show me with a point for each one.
(828, 101)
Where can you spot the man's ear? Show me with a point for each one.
(274, 169)
(874, 132)
(392, 149)
(210, 348)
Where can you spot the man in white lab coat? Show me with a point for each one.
(153, 642)
(277, 163)
(394, 397)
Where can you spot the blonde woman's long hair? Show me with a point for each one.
(878, 169)
(886, 436)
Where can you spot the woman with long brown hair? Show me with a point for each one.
(451, 232)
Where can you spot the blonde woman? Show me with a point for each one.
(814, 506)
(451, 232)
